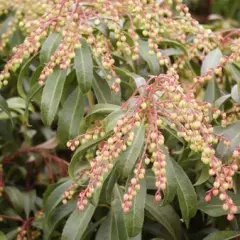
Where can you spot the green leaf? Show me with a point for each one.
(235, 72)
(212, 60)
(212, 92)
(118, 213)
(235, 94)
(135, 217)
(111, 120)
(77, 156)
(55, 197)
(49, 46)
(101, 89)
(51, 96)
(151, 60)
(129, 158)
(223, 235)
(83, 65)
(77, 223)
(70, 116)
(214, 207)
(22, 76)
(171, 188)
(106, 230)
(28, 201)
(186, 194)
(15, 197)
(56, 216)
(222, 100)
(4, 107)
(166, 216)
(177, 47)
(204, 176)
(102, 108)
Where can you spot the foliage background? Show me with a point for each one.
(35, 167)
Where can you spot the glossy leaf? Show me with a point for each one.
(77, 223)
(83, 65)
(235, 94)
(166, 216)
(129, 158)
(151, 60)
(70, 116)
(49, 46)
(56, 216)
(186, 194)
(118, 213)
(51, 96)
(135, 217)
(214, 207)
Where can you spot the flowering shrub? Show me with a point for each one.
(147, 98)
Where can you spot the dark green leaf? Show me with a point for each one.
(56, 216)
(70, 116)
(4, 107)
(166, 216)
(55, 197)
(204, 176)
(83, 65)
(22, 76)
(49, 46)
(186, 194)
(101, 89)
(214, 207)
(129, 158)
(223, 235)
(118, 214)
(51, 96)
(135, 217)
(77, 223)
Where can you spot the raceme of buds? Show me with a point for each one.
(189, 117)
(74, 21)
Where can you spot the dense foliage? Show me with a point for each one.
(119, 120)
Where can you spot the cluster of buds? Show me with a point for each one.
(24, 12)
(223, 182)
(133, 187)
(189, 117)
(153, 20)
(91, 134)
(68, 194)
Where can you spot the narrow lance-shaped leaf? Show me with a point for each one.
(186, 194)
(83, 65)
(22, 76)
(56, 216)
(166, 216)
(223, 235)
(77, 223)
(101, 89)
(49, 46)
(51, 96)
(135, 217)
(4, 107)
(213, 92)
(70, 116)
(118, 213)
(211, 60)
(129, 158)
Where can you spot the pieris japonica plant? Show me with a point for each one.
(129, 111)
